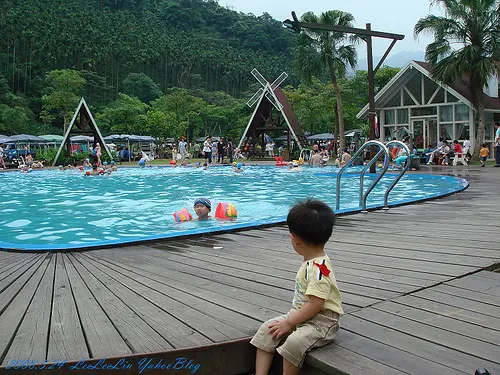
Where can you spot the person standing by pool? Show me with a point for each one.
(182, 148)
(317, 304)
(207, 150)
(2, 162)
(497, 144)
(98, 153)
(230, 150)
(221, 150)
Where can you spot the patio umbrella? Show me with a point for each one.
(5, 139)
(321, 137)
(27, 138)
(202, 139)
(81, 139)
(53, 138)
(281, 138)
(351, 133)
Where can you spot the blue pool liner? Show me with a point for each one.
(460, 186)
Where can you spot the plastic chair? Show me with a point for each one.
(461, 157)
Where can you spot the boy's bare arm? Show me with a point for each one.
(310, 309)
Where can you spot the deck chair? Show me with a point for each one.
(462, 157)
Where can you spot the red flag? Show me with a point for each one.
(323, 269)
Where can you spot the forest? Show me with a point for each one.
(158, 67)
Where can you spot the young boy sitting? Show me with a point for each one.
(202, 208)
(317, 304)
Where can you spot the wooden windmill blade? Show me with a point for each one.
(255, 97)
(274, 101)
(278, 81)
(259, 77)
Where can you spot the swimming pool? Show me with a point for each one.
(53, 210)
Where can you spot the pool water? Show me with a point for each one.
(52, 209)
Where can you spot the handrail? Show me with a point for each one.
(362, 202)
(403, 171)
(363, 198)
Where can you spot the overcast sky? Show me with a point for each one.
(394, 16)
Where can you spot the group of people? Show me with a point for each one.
(220, 149)
(442, 154)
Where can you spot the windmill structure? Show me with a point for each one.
(273, 114)
(82, 123)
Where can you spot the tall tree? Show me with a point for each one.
(65, 88)
(333, 50)
(466, 47)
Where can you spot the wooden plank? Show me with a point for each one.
(434, 357)
(102, 337)
(458, 313)
(385, 349)
(216, 330)
(138, 335)
(16, 272)
(25, 322)
(209, 282)
(436, 294)
(254, 305)
(176, 332)
(441, 321)
(16, 282)
(489, 274)
(239, 261)
(488, 287)
(469, 294)
(393, 241)
(345, 261)
(457, 342)
(66, 338)
(334, 359)
(232, 318)
(341, 257)
(264, 279)
(14, 259)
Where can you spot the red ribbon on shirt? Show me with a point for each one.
(323, 269)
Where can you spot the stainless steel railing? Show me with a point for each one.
(400, 175)
(383, 150)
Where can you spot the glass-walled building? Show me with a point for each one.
(413, 103)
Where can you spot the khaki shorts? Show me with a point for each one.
(313, 333)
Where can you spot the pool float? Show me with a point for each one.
(226, 211)
(182, 215)
(279, 161)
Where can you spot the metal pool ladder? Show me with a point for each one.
(383, 149)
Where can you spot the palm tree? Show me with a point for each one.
(320, 49)
(466, 47)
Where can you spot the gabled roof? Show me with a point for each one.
(458, 89)
(84, 111)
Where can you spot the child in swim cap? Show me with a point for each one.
(202, 208)
(238, 168)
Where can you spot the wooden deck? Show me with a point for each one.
(417, 290)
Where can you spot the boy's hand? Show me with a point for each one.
(279, 328)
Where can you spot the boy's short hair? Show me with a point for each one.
(312, 221)
(483, 145)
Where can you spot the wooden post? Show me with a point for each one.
(371, 94)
